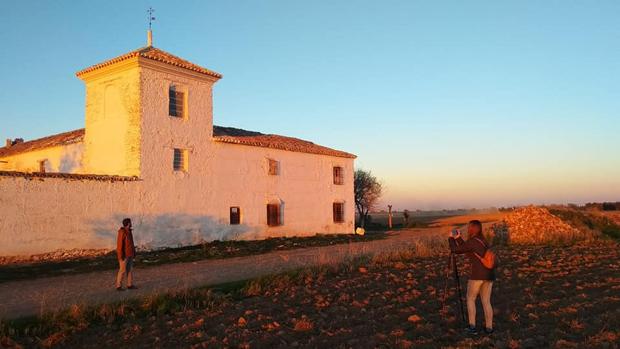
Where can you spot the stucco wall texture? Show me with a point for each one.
(177, 208)
(129, 133)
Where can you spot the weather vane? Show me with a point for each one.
(149, 33)
(151, 17)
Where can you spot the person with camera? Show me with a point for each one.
(482, 273)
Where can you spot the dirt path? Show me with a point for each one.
(33, 297)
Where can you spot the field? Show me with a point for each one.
(379, 220)
(564, 297)
(613, 215)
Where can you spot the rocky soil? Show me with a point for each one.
(561, 297)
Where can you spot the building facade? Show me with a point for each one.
(150, 151)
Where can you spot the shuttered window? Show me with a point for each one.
(176, 102)
(338, 175)
(274, 167)
(338, 209)
(235, 215)
(273, 215)
(179, 162)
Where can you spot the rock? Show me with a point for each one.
(400, 265)
(363, 270)
(303, 325)
(242, 322)
(414, 318)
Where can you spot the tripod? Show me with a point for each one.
(452, 266)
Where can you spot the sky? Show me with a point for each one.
(449, 103)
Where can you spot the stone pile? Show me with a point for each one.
(58, 255)
(535, 225)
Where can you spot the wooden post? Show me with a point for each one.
(390, 216)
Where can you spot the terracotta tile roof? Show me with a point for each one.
(64, 138)
(257, 139)
(69, 176)
(220, 134)
(155, 54)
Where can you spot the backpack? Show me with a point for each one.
(489, 259)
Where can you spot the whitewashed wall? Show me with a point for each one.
(46, 214)
(174, 209)
(168, 207)
(66, 159)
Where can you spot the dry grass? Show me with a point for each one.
(613, 215)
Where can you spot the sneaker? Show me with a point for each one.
(471, 330)
(488, 330)
(119, 288)
(132, 287)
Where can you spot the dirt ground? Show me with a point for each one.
(564, 297)
(46, 266)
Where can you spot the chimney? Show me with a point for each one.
(149, 38)
(9, 142)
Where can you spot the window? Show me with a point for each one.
(273, 215)
(235, 215)
(274, 167)
(179, 163)
(338, 175)
(42, 165)
(338, 209)
(176, 102)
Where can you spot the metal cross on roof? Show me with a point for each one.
(151, 17)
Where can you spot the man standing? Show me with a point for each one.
(125, 251)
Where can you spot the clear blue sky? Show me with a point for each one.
(450, 103)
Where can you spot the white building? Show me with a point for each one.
(150, 151)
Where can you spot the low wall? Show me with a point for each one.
(46, 212)
(41, 213)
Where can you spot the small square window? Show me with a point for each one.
(338, 175)
(273, 215)
(179, 162)
(235, 215)
(274, 167)
(176, 102)
(338, 209)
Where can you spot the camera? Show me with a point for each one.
(455, 232)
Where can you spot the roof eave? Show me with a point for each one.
(233, 140)
(134, 57)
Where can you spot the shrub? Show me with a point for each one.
(588, 221)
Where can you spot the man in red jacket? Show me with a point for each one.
(125, 251)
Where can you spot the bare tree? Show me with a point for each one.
(367, 193)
